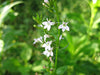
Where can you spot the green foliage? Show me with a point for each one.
(5, 10)
(79, 52)
(61, 70)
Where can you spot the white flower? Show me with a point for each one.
(60, 37)
(46, 1)
(64, 26)
(47, 45)
(38, 40)
(48, 53)
(40, 25)
(94, 1)
(47, 24)
(46, 36)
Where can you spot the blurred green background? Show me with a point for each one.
(18, 55)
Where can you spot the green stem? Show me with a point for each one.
(93, 13)
(92, 17)
(49, 65)
(57, 42)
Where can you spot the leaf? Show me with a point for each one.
(70, 41)
(97, 3)
(6, 9)
(95, 24)
(38, 65)
(61, 70)
(82, 41)
(26, 52)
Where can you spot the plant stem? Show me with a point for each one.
(49, 65)
(93, 13)
(57, 42)
(92, 17)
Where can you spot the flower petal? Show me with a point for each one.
(67, 28)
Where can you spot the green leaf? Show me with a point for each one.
(97, 3)
(6, 9)
(38, 65)
(96, 23)
(26, 52)
(70, 42)
(61, 70)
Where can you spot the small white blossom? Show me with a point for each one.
(46, 1)
(37, 40)
(48, 53)
(47, 45)
(46, 36)
(60, 37)
(94, 1)
(64, 26)
(47, 24)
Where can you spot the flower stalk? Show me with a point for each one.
(47, 43)
(57, 42)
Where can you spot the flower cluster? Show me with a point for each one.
(47, 25)
(47, 44)
(48, 49)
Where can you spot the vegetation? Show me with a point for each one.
(78, 53)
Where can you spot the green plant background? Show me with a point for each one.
(79, 52)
